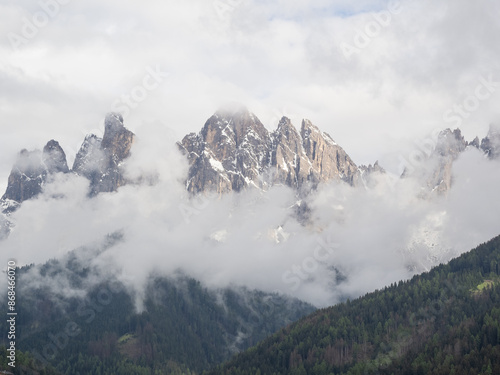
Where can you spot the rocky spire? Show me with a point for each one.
(99, 160)
(289, 163)
(54, 158)
(30, 172)
(26, 178)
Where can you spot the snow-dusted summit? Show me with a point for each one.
(234, 151)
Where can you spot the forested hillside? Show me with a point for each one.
(446, 321)
(181, 327)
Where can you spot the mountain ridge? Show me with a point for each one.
(232, 151)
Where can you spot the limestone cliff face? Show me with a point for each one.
(234, 151)
(99, 160)
(54, 158)
(26, 178)
(30, 173)
(289, 163)
(328, 159)
(228, 154)
(450, 145)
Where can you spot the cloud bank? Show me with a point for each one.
(356, 239)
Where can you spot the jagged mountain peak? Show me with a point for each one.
(54, 157)
(450, 143)
(99, 160)
(113, 125)
(475, 142)
(307, 127)
(117, 139)
(285, 127)
(234, 125)
(234, 150)
(30, 172)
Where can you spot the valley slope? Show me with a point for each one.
(446, 321)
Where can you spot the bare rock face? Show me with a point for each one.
(30, 172)
(289, 163)
(450, 145)
(234, 151)
(475, 143)
(99, 160)
(328, 159)
(436, 169)
(54, 158)
(228, 154)
(26, 177)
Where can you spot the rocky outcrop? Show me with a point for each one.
(328, 159)
(450, 144)
(289, 163)
(30, 173)
(26, 178)
(99, 160)
(228, 154)
(54, 158)
(234, 151)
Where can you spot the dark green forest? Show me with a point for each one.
(446, 321)
(181, 327)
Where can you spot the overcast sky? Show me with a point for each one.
(373, 74)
